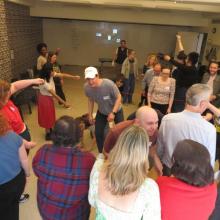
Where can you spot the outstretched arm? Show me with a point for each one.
(67, 75)
(115, 55)
(179, 43)
(214, 110)
(53, 93)
(21, 84)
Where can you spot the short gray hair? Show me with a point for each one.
(197, 93)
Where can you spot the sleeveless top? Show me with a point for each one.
(121, 55)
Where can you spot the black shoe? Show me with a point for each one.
(24, 198)
(47, 136)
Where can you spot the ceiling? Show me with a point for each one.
(183, 5)
(209, 8)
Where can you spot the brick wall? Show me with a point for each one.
(5, 61)
(23, 33)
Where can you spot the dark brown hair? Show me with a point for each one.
(50, 54)
(66, 132)
(40, 46)
(213, 62)
(191, 163)
(46, 71)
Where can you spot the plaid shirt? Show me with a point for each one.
(63, 182)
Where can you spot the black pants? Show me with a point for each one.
(59, 92)
(100, 124)
(166, 170)
(162, 108)
(10, 194)
(216, 212)
(179, 99)
(59, 88)
(143, 100)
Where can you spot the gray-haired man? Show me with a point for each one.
(188, 124)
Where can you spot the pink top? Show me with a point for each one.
(181, 201)
(10, 111)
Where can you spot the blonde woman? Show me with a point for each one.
(151, 60)
(119, 186)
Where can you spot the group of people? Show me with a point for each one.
(180, 146)
(165, 79)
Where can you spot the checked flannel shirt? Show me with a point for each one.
(63, 182)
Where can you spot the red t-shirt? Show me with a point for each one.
(10, 111)
(181, 201)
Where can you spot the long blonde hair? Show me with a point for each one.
(127, 165)
(149, 58)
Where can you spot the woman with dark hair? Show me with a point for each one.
(52, 58)
(46, 109)
(42, 59)
(43, 55)
(63, 174)
(190, 192)
(14, 170)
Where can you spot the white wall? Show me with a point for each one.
(80, 46)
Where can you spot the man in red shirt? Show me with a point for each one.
(146, 118)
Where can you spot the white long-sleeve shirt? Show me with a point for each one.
(176, 127)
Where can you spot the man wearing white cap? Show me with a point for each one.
(108, 98)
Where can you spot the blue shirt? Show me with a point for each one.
(10, 165)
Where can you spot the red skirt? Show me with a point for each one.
(46, 111)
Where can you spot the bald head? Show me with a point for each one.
(147, 118)
(145, 111)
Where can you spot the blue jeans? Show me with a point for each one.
(100, 124)
(129, 85)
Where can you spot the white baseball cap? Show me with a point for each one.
(91, 72)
